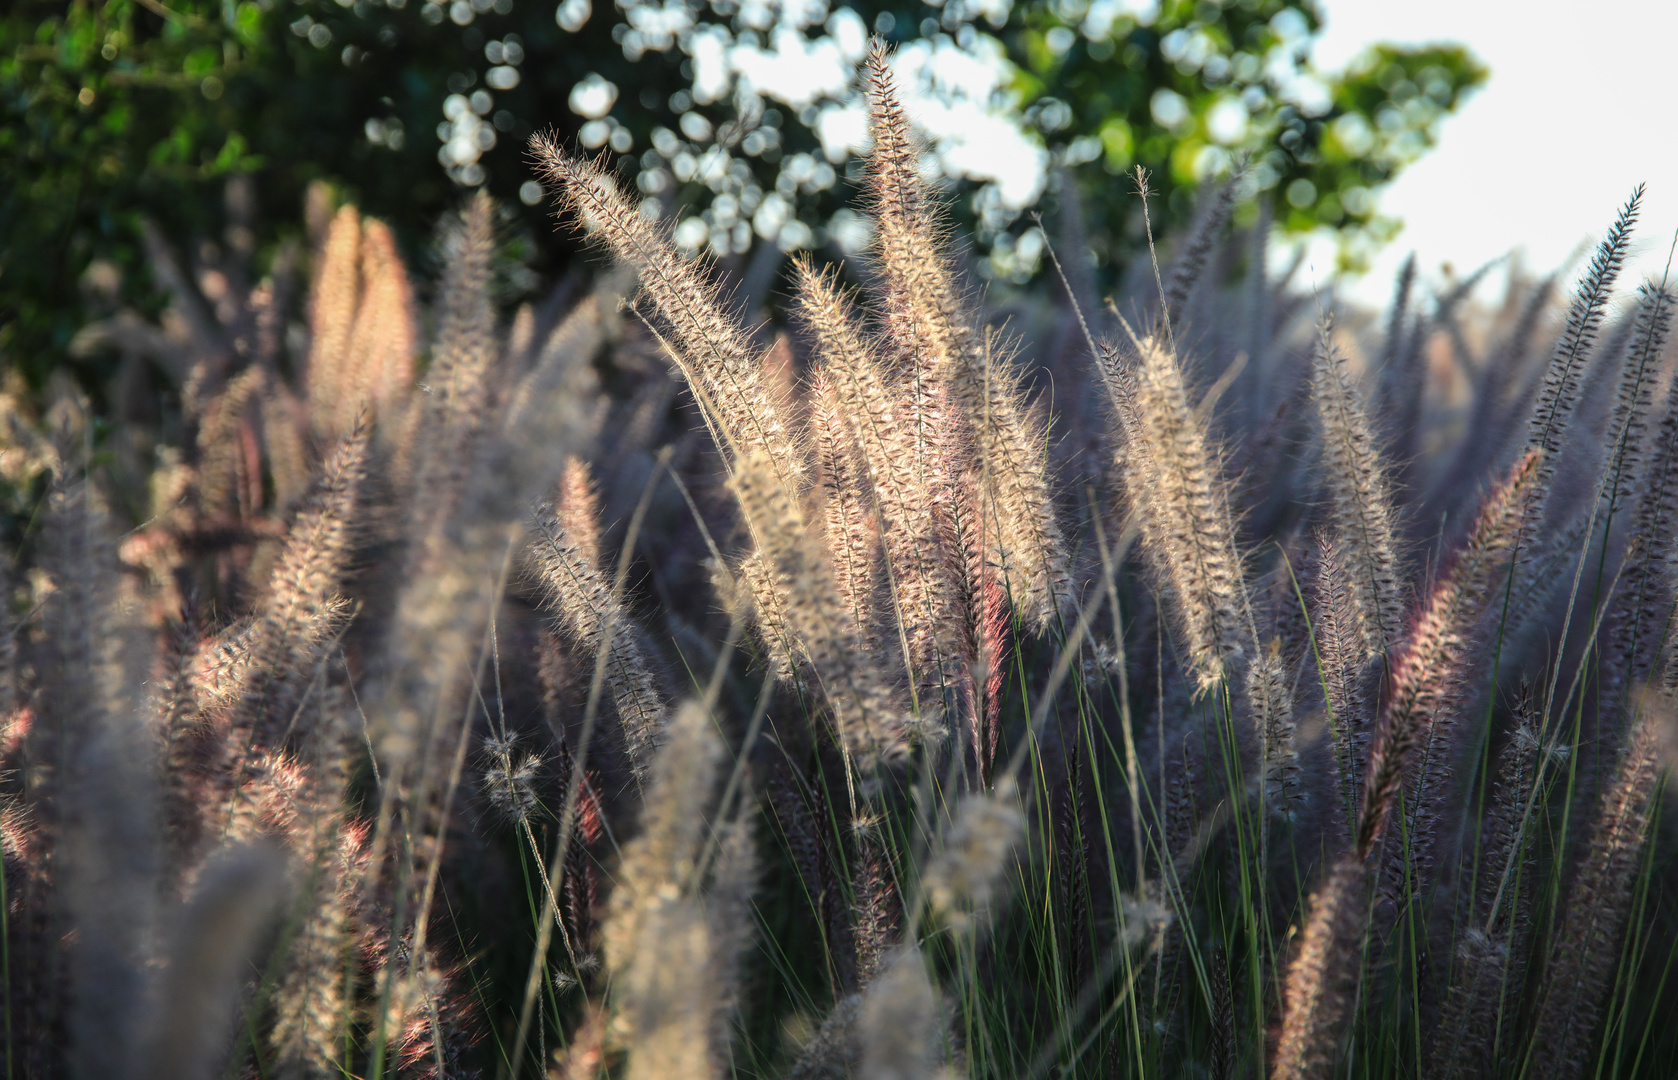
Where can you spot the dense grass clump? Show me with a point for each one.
(623, 689)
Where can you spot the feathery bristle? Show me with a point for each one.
(731, 924)
(378, 364)
(1430, 661)
(182, 732)
(225, 469)
(899, 1025)
(336, 295)
(311, 1000)
(79, 658)
(863, 710)
(1547, 426)
(1341, 648)
(847, 510)
(928, 321)
(1465, 1041)
(302, 607)
(1271, 701)
(1638, 623)
(578, 511)
(282, 438)
(720, 366)
(715, 356)
(213, 944)
(1586, 951)
(876, 906)
(451, 417)
(894, 179)
(1392, 341)
(313, 995)
(89, 766)
(831, 1053)
(1133, 472)
(757, 594)
(895, 431)
(1360, 499)
(556, 404)
(1190, 264)
(1632, 394)
(1187, 518)
(803, 815)
(586, 605)
(509, 780)
(983, 606)
(581, 1058)
(659, 942)
(427, 1019)
(1322, 976)
(971, 868)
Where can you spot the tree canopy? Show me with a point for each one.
(739, 115)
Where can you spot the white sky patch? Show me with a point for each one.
(660, 26)
(592, 97)
(985, 146)
(843, 130)
(757, 14)
(795, 71)
(847, 31)
(711, 75)
(958, 99)
(1575, 114)
(1226, 121)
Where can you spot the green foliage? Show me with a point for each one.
(114, 111)
(1204, 87)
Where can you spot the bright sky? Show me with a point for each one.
(1576, 113)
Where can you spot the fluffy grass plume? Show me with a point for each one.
(1430, 659)
(1354, 477)
(1180, 494)
(928, 324)
(585, 603)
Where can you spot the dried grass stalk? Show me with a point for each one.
(928, 321)
(670, 951)
(847, 513)
(1177, 490)
(1322, 976)
(302, 608)
(379, 362)
(1360, 500)
(588, 608)
(447, 421)
(713, 351)
(332, 310)
(897, 435)
(1431, 661)
(1547, 425)
(864, 713)
(1341, 647)
(1586, 952)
